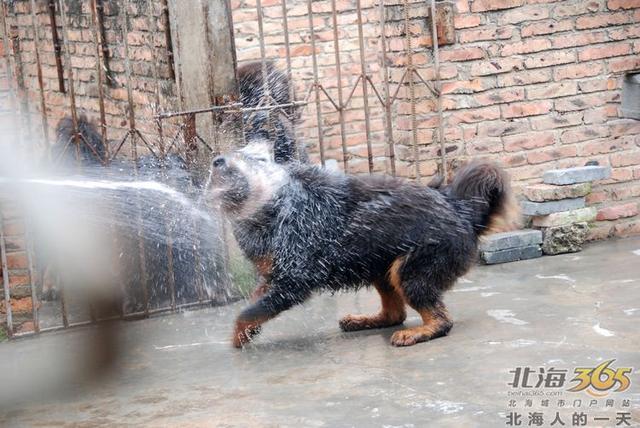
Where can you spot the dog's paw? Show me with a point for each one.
(243, 333)
(407, 338)
(355, 322)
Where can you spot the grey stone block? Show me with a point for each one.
(510, 255)
(576, 175)
(564, 239)
(581, 215)
(515, 239)
(551, 192)
(545, 208)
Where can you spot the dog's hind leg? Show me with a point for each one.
(392, 313)
(275, 300)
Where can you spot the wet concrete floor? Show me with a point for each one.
(562, 312)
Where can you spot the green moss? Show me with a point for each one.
(3, 334)
(243, 275)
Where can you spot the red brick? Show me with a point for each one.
(17, 260)
(499, 96)
(482, 146)
(555, 120)
(617, 211)
(464, 54)
(546, 27)
(500, 128)
(525, 13)
(546, 59)
(552, 154)
(525, 47)
(466, 21)
(497, 66)
(529, 141)
(623, 4)
(594, 85)
(474, 115)
(584, 133)
(575, 71)
(18, 280)
(602, 20)
(624, 64)
(485, 33)
(484, 5)
(625, 159)
(579, 102)
(599, 231)
(580, 8)
(630, 228)
(524, 77)
(624, 127)
(578, 39)
(526, 109)
(596, 198)
(467, 87)
(552, 90)
(605, 51)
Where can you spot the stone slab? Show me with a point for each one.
(551, 192)
(576, 175)
(581, 215)
(514, 239)
(510, 255)
(545, 208)
(564, 239)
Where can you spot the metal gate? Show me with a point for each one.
(176, 132)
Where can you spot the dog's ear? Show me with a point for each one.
(258, 150)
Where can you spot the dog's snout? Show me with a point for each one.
(219, 162)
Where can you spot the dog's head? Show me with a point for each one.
(243, 181)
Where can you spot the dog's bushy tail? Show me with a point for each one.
(485, 191)
(91, 147)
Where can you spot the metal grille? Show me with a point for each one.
(392, 85)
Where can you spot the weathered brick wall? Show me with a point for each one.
(533, 84)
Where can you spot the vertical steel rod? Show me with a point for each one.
(167, 38)
(97, 10)
(412, 99)
(287, 49)
(100, 80)
(336, 48)
(316, 84)
(133, 134)
(56, 44)
(43, 105)
(32, 280)
(365, 91)
(438, 88)
(387, 96)
(5, 279)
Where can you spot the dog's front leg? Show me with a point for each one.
(276, 299)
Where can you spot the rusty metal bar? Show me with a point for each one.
(21, 90)
(7, 58)
(315, 80)
(57, 48)
(287, 49)
(436, 64)
(412, 98)
(43, 105)
(267, 99)
(387, 100)
(161, 148)
(167, 115)
(124, 15)
(336, 48)
(72, 93)
(98, 40)
(97, 12)
(5, 279)
(365, 92)
(167, 38)
(32, 279)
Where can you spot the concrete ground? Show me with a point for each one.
(562, 312)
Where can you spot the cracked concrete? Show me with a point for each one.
(180, 370)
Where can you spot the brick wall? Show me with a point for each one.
(532, 84)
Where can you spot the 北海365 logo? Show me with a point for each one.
(598, 381)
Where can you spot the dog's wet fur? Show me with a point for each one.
(308, 229)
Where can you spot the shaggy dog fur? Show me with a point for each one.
(308, 229)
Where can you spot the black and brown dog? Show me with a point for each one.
(308, 229)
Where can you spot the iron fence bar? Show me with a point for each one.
(76, 134)
(265, 76)
(287, 48)
(316, 84)
(271, 107)
(387, 100)
(412, 99)
(397, 91)
(21, 90)
(100, 42)
(337, 106)
(32, 279)
(161, 147)
(167, 38)
(43, 105)
(97, 10)
(168, 115)
(375, 90)
(13, 100)
(353, 90)
(429, 86)
(57, 48)
(436, 64)
(365, 92)
(124, 16)
(336, 48)
(5, 279)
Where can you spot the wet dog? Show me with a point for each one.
(307, 229)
